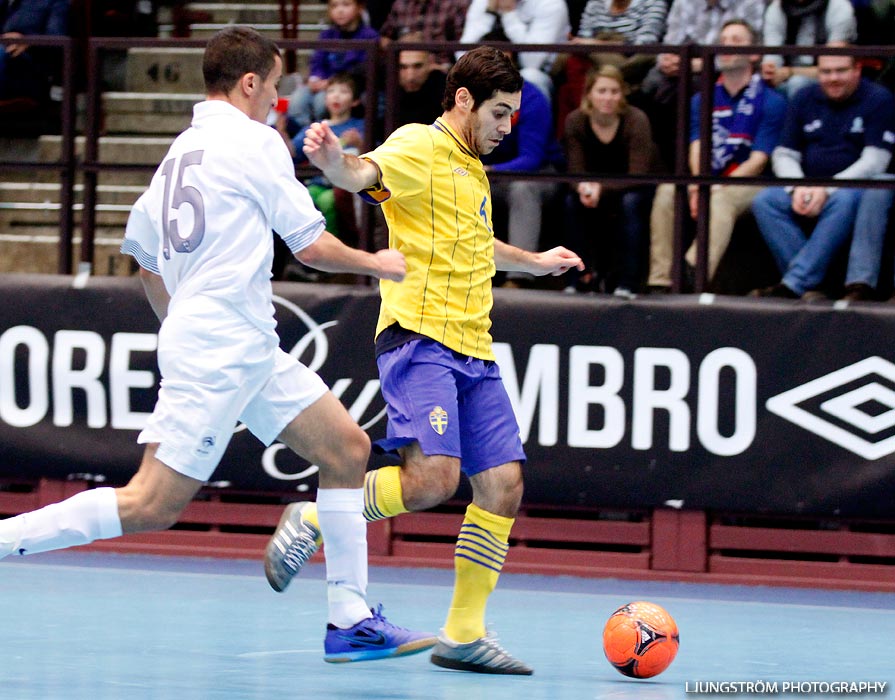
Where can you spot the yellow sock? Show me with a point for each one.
(478, 558)
(383, 497)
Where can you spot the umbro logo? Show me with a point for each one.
(853, 407)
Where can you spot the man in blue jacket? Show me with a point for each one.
(25, 70)
(529, 147)
(839, 128)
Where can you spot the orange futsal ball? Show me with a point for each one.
(640, 639)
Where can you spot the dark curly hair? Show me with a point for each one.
(483, 71)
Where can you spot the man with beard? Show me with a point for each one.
(747, 116)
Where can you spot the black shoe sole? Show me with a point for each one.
(477, 668)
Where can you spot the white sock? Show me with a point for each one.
(341, 516)
(85, 517)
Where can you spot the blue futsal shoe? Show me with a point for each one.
(373, 638)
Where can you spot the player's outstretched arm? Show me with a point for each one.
(329, 254)
(555, 261)
(324, 151)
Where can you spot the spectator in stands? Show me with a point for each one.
(437, 21)
(378, 10)
(868, 242)
(606, 136)
(747, 117)
(125, 18)
(638, 21)
(522, 22)
(841, 128)
(530, 147)
(307, 102)
(342, 96)
(876, 27)
(803, 23)
(632, 22)
(875, 20)
(420, 85)
(26, 72)
(688, 22)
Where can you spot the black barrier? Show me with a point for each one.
(735, 405)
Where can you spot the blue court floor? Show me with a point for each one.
(82, 626)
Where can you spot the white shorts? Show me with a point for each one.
(217, 369)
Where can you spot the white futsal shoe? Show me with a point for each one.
(293, 543)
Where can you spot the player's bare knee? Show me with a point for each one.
(428, 485)
(499, 490)
(160, 518)
(356, 449)
(140, 511)
(146, 515)
(512, 497)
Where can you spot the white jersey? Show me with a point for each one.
(204, 224)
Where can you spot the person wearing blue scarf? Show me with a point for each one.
(747, 119)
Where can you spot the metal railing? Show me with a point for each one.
(66, 165)
(381, 71)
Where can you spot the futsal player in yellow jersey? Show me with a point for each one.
(447, 407)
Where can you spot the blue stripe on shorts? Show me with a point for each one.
(450, 404)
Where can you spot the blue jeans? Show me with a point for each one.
(802, 259)
(612, 238)
(871, 222)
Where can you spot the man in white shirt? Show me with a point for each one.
(202, 236)
(523, 22)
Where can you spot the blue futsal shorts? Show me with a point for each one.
(450, 404)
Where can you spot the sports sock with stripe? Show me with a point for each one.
(383, 497)
(481, 549)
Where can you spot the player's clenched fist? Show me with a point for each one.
(322, 146)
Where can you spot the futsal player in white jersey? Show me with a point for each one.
(201, 234)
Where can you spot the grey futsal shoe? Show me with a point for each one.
(483, 655)
(293, 543)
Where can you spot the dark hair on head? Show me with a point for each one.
(233, 52)
(753, 34)
(483, 71)
(348, 79)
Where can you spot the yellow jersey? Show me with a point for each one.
(437, 204)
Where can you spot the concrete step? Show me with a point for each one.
(310, 14)
(174, 70)
(49, 193)
(168, 70)
(130, 150)
(14, 214)
(35, 249)
(263, 16)
(18, 150)
(148, 112)
(274, 30)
